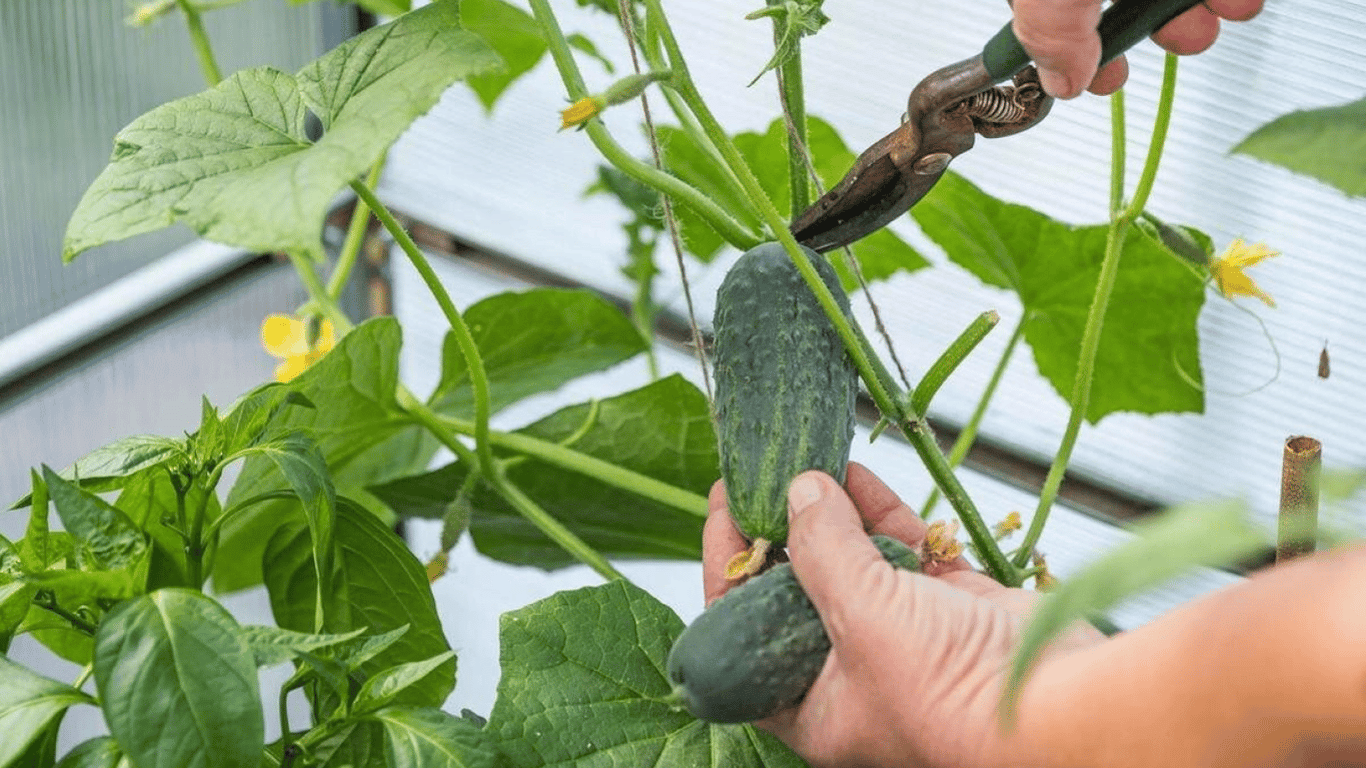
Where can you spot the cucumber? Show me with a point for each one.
(785, 386)
(757, 650)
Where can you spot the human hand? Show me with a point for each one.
(1060, 35)
(917, 663)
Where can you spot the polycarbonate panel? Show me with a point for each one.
(513, 183)
(72, 73)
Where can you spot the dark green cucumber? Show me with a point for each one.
(785, 386)
(757, 650)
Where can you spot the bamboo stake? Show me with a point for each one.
(1298, 524)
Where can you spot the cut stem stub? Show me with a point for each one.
(1297, 531)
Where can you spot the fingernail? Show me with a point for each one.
(805, 491)
(1055, 84)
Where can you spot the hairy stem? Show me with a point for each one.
(1095, 318)
(968, 435)
(525, 505)
(479, 381)
(736, 233)
(355, 236)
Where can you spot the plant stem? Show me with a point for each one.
(883, 389)
(200, 39)
(791, 91)
(525, 505)
(1297, 524)
(726, 225)
(308, 275)
(949, 361)
(86, 672)
(968, 435)
(355, 236)
(615, 475)
(464, 339)
(1095, 318)
(1118, 146)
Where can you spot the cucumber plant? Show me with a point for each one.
(331, 456)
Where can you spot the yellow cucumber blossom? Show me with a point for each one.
(941, 543)
(1008, 525)
(1227, 270)
(630, 87)
(286, 337)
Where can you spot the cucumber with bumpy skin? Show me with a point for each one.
(757, 650)
(785, 386)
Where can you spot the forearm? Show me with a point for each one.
(1270, 672)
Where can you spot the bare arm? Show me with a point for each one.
(1271, 672)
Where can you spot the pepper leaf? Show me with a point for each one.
(29, 704)
(1149, 356)
(353, 387)
(174, 662)
(533, 342)
(1328, 144)
(583, 684)
(236, 163)
(662, 430)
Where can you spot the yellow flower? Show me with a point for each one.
(1010, 524)
(1228, 270)
(941, 542)
(286, 337)
(580, 112)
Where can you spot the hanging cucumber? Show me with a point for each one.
(785, 390)
(757, 650)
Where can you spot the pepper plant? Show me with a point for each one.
(326, 460)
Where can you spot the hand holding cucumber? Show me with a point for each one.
(917, 662)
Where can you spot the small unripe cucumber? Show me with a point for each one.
(785, 386)
(757, 650)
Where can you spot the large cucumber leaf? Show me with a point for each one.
(236, 162)
(583, 684)
(1328, 144)
(1149, 357)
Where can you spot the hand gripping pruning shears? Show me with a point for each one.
(944, 114)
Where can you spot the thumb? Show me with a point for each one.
(1060, 35)
(834, 560)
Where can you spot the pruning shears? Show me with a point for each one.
(944, 114)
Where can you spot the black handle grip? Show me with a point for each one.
(1122, 25)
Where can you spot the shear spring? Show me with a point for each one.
(997, 105)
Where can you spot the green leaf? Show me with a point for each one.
(792, 21)
(15, 599)
(426, 496)
(879, 255)
(377, 7)
(513, 34)
(378, 584)
(354, 388)
(106, 539)
(1212, 534)
(42, 751)
(29, 704)
(230, 161)
(1149, 348)
(430, 738)
(384, 686)
(246, 420)
(533, 342)
(273, 645)
(109, 467)
(585, 46)
(662, 430)
(297, 458)
(1328, 144)
(175, 663)
(583, 683)
(99, 752)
